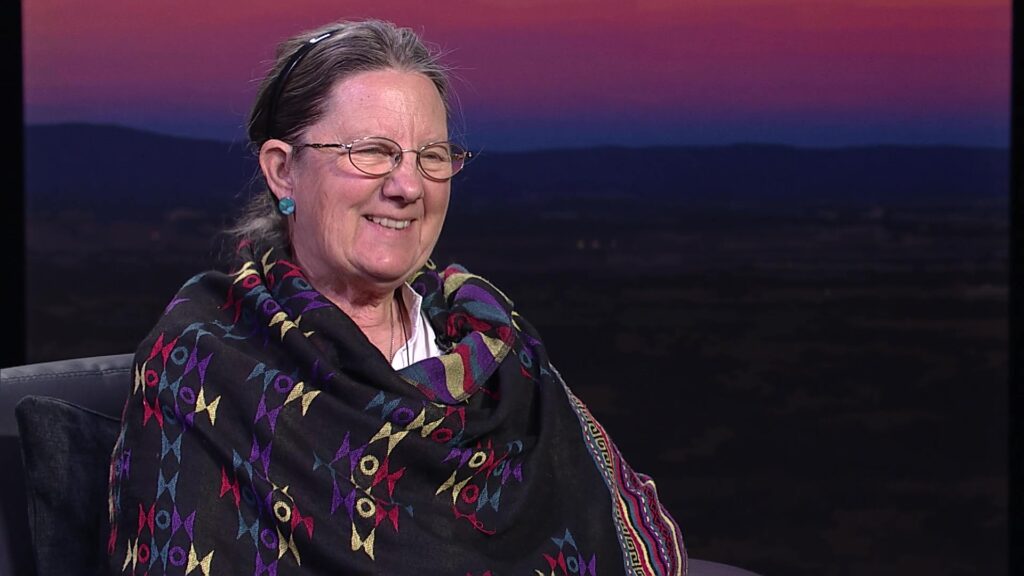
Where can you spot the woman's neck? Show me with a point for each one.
(374, 309)
(378, 319)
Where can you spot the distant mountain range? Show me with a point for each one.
(109, 168)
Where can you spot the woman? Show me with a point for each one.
(339, 405)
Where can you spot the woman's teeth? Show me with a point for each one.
(389, 223)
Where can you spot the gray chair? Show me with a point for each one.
(75, 405)
(88, 392)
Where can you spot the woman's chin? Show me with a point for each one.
(387, 276)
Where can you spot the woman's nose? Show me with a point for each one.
(405, 181)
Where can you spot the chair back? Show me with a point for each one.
(98, 383)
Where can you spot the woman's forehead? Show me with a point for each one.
(399, 103)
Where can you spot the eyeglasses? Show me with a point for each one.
(379, 156)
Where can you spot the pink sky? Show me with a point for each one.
(700, 71)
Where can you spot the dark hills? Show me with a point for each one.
(114, 168)
(111, 168)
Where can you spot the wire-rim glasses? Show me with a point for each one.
(379, 156)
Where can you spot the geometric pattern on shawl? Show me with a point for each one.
(650, 538)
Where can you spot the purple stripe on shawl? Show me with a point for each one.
(435, 373)
(479, 294)
(480, 357)
(430, 374)
(174, 303)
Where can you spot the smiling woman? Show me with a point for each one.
(358, 236)
(337, 403)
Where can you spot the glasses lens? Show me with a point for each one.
(442, 160)
(375, 156)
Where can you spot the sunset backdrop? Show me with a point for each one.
(537, 74)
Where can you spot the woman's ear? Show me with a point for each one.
(276, 164)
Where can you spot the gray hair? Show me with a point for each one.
(304, 82)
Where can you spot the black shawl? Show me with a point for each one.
(265, 434)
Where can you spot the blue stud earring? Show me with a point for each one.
(286, 206)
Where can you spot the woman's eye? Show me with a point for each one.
(434, 156)
(372, 151)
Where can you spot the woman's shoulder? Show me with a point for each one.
(199, 299)
(455, 282)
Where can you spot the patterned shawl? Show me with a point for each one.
(264, 434)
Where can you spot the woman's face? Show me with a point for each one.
(357, 232)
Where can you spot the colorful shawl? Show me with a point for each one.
(264, 434)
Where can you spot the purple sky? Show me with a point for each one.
(562, 73)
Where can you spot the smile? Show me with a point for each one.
(389, 223)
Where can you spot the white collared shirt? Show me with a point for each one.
(422, 342)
